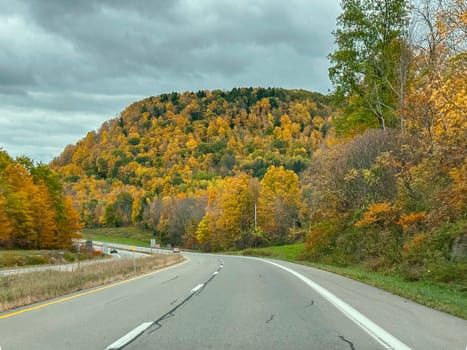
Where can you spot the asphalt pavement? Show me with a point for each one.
(227, 302)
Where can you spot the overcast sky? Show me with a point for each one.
(67, 66)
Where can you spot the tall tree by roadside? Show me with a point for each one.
(5, 224)
(279, 204)
(229, 219)
(370, 62)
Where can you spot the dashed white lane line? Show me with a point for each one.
(129, 337)
(197, 288)
(379, 334)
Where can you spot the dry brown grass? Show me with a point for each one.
(23, 289)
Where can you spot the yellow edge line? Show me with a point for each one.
(32, 308)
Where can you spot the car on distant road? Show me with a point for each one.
(176, 250)
(113, 251)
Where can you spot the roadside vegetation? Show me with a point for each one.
(27, 288)
(34, 211)
(121, 235)
(450, 297)
(24, 258)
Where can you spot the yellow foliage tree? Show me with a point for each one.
(379, 215)
(44, 218)
(5, 224)
(279, 204)
(20, 188)
(68, 229)
(237, 201)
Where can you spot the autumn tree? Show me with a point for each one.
(68, 229)
(33, 212)
(44, 217)
(437, 106)
(237, 201)
(229, 219)
(19, 191)
(279, 204)
(5, 224)
(179, 217)
(209, 234)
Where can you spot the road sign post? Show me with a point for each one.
(133, 248)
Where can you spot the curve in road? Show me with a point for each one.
(226, 302)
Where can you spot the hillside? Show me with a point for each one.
(256, 167)
(181, 144)
(181, 137)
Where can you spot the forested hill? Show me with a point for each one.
(174, 139)
(181, 146)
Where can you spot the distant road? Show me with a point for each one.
(228, 302)
(130, 248)
(123, 252)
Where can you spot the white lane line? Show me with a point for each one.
(214, 273)
(378, 333)
(130, 336)
(197, 288)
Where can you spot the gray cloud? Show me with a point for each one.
(67, 66)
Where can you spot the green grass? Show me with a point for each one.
(290, 252)
(118, 240)
(450, 298)
(22, 252)
(24, 258)
(120, 235)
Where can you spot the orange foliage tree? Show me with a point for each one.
(33, 211)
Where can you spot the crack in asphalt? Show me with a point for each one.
(156, 325)
(270, 318)
(352, 347)
(170, 280)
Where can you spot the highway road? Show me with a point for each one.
(228, 302)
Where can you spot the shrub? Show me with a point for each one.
(256, 252)
(36, 260)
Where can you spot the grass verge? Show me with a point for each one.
(450, 298)
(24, 289)
(23, 258)
(119, 240)
(120, 235)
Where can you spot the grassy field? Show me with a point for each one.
(22, 258)
(23, 289)
(120, 235)
(450, 298)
